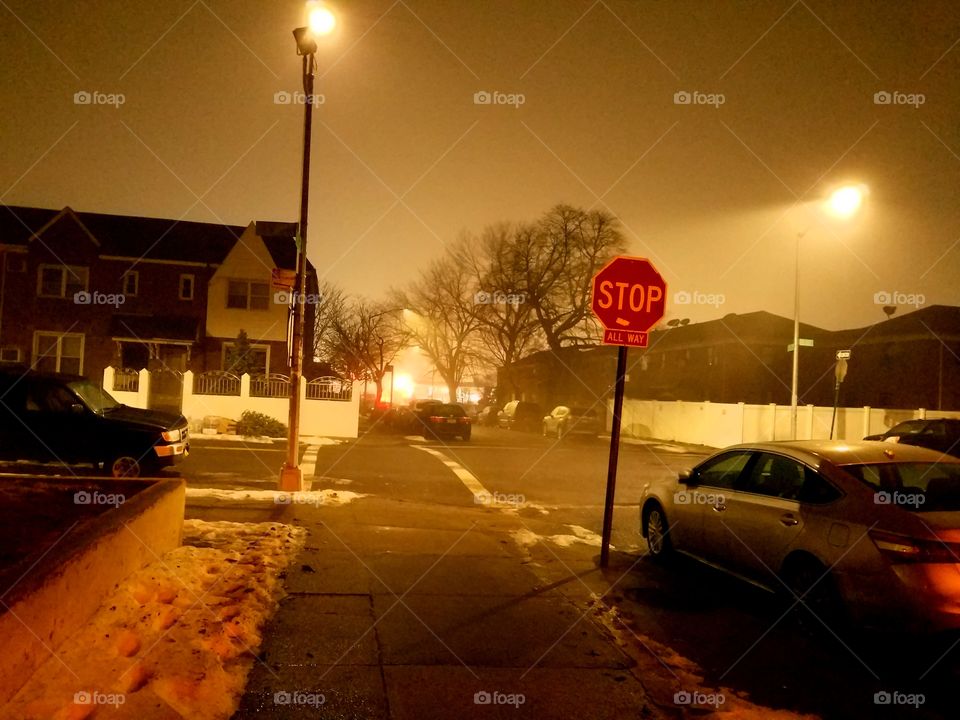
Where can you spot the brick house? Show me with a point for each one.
(909, 361)
(81, 291)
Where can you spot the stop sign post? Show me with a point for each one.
(629, 297)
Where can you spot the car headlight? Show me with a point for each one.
(172, 435)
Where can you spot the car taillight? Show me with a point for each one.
(905, 549)
(436, 418)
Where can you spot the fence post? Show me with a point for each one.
(922, 414)
(186, 397)
(866, 421)
(810, 411)
(143, 389)
(245, 385)
(108, 378)
(742, 407)
(773, 421)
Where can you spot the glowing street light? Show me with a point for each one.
(846, 201)
(320, 22)
(843, 203)
(321, 19)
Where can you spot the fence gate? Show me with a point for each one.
(166, 380)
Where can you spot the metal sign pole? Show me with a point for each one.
(614, 455)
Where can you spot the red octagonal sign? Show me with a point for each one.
(628, 298)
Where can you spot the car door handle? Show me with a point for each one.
(718, 507)
(789, 520)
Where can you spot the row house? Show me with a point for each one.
(82, 291)
(907, 361)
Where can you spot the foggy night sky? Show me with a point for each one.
(404, 161)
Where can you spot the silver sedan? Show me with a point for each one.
(865, 530)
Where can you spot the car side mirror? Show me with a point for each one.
(687, 477)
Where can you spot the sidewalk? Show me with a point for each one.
(399, 610)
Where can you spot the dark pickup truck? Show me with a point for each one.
(68, 419)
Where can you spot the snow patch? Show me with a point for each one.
(308, 497)
(316, 440)
(526, 538)
(177, 639)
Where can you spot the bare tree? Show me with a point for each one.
(331, 306)
(559, 256)
(362, 339)
(508, 326)
(443, 316)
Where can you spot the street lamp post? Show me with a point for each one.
(843, 203)
(321, 22)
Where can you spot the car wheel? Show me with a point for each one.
(123, 465)
(819, 600)
(560, 431)
(658, 536)
(465, 435)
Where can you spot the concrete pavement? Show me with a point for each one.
(400, 609)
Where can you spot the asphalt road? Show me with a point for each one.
(740, 637)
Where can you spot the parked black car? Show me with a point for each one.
(488, 416)
(521, 415)
(444, 420)
(942, 434)
(50, 417)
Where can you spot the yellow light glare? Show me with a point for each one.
(846, 201)
(320, 19)
(403, 385)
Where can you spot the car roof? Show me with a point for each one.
(857, 452)
(20, 371)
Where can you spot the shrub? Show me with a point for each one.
(258, 424)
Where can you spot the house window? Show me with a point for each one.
(248, 295)
(16, 263)
(131, 283)
(258, 357)
(58, 352)
(186, 287)
(10, 354)
(61, 281)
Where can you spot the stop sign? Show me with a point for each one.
(628, 298)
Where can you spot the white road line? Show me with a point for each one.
(481, 495)
(309, 463)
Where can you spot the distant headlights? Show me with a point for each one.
(172, 435)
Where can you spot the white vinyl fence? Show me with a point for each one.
(329, 407)
(722, 424)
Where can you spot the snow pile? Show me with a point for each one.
(526, 538)
(176, 639)
(311, 497)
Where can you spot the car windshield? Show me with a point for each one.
(910, 427)
(95, 397)
(583, 412)
(916, 486)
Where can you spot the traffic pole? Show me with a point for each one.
(614, 455)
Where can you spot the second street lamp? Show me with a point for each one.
(843, 203)
(321, 22)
